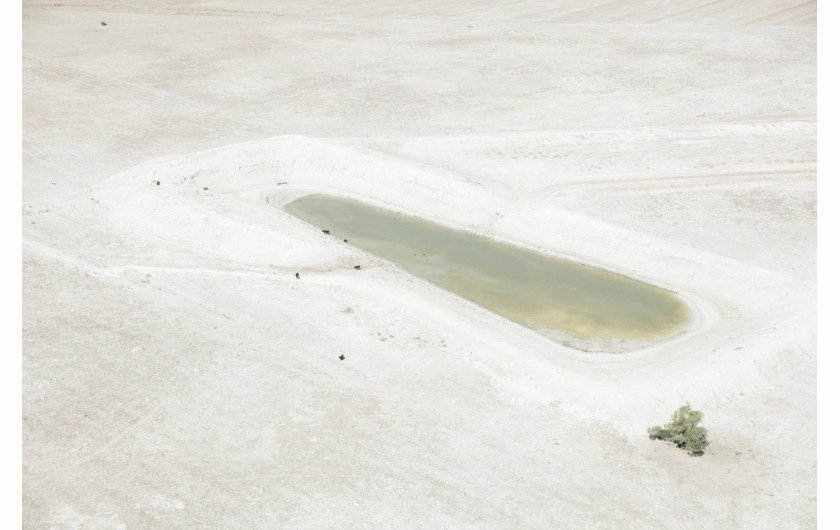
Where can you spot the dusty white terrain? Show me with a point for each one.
(176, 374)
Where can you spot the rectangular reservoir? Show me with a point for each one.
(578, 305)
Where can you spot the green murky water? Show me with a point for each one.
(585, 307)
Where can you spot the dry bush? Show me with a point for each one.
(683, 431)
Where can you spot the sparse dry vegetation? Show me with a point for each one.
(683, 431)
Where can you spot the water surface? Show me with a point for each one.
(586, 307)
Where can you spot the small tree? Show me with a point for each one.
(683, 431)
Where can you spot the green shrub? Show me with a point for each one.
(683, 431)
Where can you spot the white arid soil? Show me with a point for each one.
(176, 374)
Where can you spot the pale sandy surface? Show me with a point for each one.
(177, 375)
